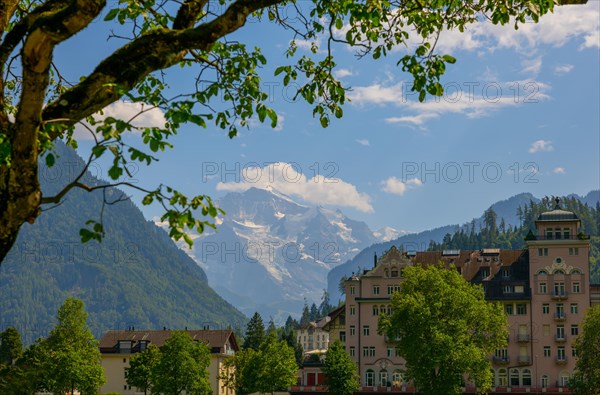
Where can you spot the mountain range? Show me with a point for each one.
(270, 253)
(136, 276)
(505, 210)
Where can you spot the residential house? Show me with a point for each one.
(117, 348)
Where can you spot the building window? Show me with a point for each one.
(526, 378)
(383, 378)
(365, 351)
(371, 351)
(573, 250)
(485, 272)
(521, 309)
(542, 252)
(505, 273)
(546, 330)
(544, 381)
(502, 353)
(375, 289)
(560, 353)
(574, 330)
(574, 351)
(574, 309)
(559, 289)
(343, 336)
(547, 352)
(576, 287)
(502, 378)
(391, 352)
(508, 309)
(396, 378)
(519, 289)
(507, 289)
(560, 332)
(352, 330)
(352, 351)
(352, 310)
(560, 310)
(375, 310)
(352, 290)
(369, 378)
(545, 308)
(366, 330)
(543, 288)
(514, 377)
(393, 288)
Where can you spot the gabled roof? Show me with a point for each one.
(333, 315)
(216, 340)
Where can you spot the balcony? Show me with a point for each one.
(524, 360)
(501, 360)
(560, 338)
(523, 338)
(559, 295)
(561, 360)
(560, 316)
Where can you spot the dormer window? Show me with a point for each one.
(125, 346)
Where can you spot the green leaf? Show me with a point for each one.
(111, 14)
(449, 59)
(50, 160)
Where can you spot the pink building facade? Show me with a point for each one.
(544, 288)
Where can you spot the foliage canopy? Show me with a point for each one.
(444, 329)
(38, 106)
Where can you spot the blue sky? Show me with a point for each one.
(521, 114)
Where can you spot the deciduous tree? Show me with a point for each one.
(183, 366)
(38, 106)
(73, 357)
(586, 377)
(11, 346)
(444, 328)
(341, 373)
(139, 372)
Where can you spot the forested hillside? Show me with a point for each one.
(499, 235)
(135, 277)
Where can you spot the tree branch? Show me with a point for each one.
(188, 14)
(130, 64)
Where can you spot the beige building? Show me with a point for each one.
(117, 348)
(312, 337)
(545, 290)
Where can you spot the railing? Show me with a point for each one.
(501, 360)
(559, 295)
(560, 316)
(524, 360)
(561, 360)
(523, 338)
(563, 237)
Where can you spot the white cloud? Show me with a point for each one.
(377, 94)
(139, 114)
(412, 119)
(532, 66)
(289, 179)
(563, 69)
(471, 99)
(398, 187)
(364, 142)
(341, 73)
(559, 170)
(541, 145)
